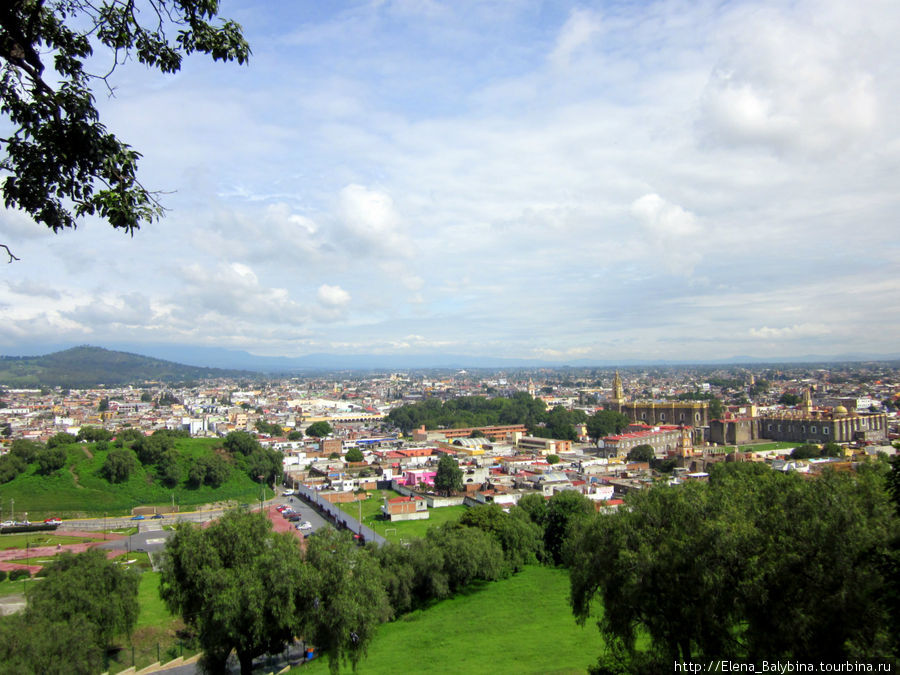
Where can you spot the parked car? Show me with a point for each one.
(294, 517)
(138, 517)
(287, 513)
(8, 523)
(287, 493)
(305, 525)
(52, 521)
(282, 507)
(157, 516)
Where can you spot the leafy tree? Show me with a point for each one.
(319, 430)
(469, 554)
(129, 434)
(93, 434)
(449, 476)
(268, 428)
(24, 449)
(50, 460)
(806, 451)
(354, 455)
(564, 509)
(346, 600)
(210, 470)
(605, 423)
(146, 397)
(519, 538)
(26, 649)
(237, 584)
(11, 466)
(90, 586)
(552, 459)
(715, 408)
(119, 465)
(103, 406)
(295, 436)
(62, 438)
(149, 449)
(263, 462)
(832, 449)
(789, 399)
(241, 443)
(766, 565)
(641, 453)
(168, 469)
(535, 507)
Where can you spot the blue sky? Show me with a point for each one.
(669, 180)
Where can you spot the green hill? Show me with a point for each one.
(523, 624)
(78, 491)
(92, 366)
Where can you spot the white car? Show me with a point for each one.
(287, 493)
(8, 523)
(305, 525)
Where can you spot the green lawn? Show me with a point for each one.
(8, 541)
(519, 625)
(759, 447)
(77, 490)
(409, 529)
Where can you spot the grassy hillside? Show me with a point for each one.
(77, 490)
(90, 366)
(519, 625)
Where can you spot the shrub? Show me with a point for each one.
(3, 575)
(50, 459)
(21, 573)
(119, 465)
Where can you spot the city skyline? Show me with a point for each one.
(597, 181)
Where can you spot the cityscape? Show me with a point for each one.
(417, 336)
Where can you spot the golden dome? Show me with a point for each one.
(840, 410)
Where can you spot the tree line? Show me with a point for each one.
(520, 408)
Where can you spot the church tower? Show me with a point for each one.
(618, 396)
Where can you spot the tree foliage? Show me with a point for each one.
(319, 430)
(61, 162)
(120, 463)
(354, 455)
(90, 586)
(237, 584)
(641, 453)
(605, 423)
(346, 600)
(50, 460)
(756, 565)
(449, 476)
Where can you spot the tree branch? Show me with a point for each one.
(9, 253)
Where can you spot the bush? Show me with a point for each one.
(3, 575)
(11, 466)
(119, 465)
(62, 438)
(51, 459)
(354, 455)
(15, 575)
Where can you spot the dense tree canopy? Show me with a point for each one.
(756, 565)
(605, 423)
(79, 609)
(60, 161)
(237, 583)
(319, 430)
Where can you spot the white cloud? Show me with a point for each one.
(579, 29)
(332, 296)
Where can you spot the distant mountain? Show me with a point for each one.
(87, 366)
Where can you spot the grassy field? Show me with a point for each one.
(77, 490)
(371, 511)
(8, 541)
(519, 625)
(759, 447)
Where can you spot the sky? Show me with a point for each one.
(609, 180)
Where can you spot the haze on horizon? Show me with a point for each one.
(560, 181)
